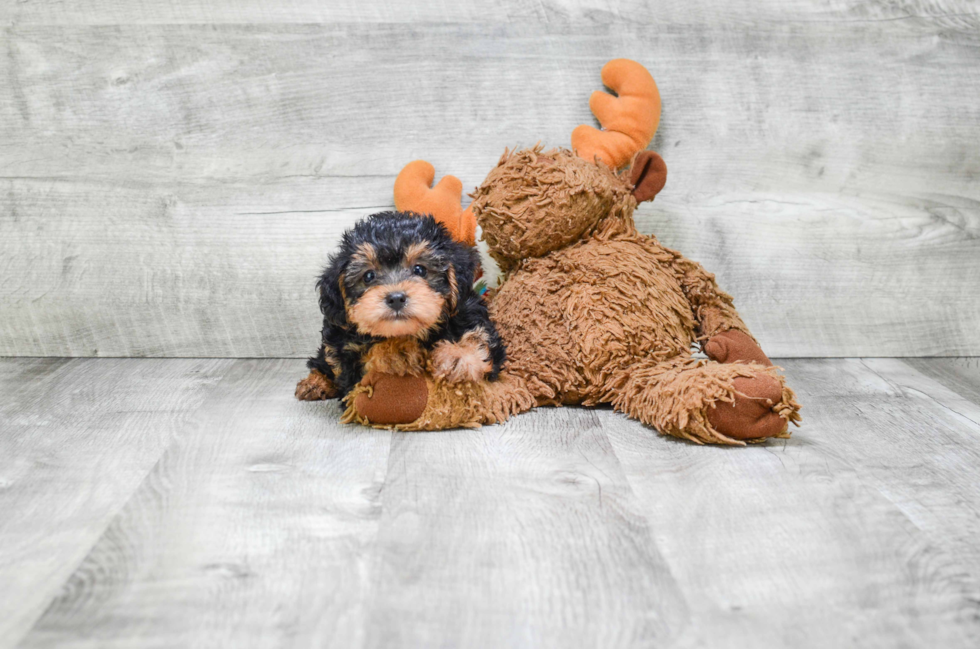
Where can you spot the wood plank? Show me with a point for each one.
(520, 535)
(267, 101)
(907, 378)
(953, 13)
(828, 276)
(961, 375)
(76, 440)
(185, 271)
(228, 271)
(185, 502)
(936, 484)
(854, 530)
(100, 12)
(254, 530)
(823, 168)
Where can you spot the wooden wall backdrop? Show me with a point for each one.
(173, 174)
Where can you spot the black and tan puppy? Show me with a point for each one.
(398, 298)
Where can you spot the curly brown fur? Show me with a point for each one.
(398, 286)
(536, 201)
(611, 312)
(679, 396)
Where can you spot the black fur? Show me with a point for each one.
(390, 234)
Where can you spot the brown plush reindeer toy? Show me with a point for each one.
(591, 311)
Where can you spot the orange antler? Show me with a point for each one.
(628, 120)
(414, 193)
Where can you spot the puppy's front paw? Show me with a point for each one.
(315, 387)
(466, 360)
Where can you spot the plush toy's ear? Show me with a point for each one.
(648, 175)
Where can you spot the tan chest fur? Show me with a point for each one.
(402, 356)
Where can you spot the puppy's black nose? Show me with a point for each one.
(396, 301)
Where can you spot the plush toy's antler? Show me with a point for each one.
(413, 194)
(628, 120)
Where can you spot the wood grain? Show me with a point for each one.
(148, 503)
(77, 438)
(950, 13)
(961, 375)
(207, 273)
(169, 188)
(860, 528)
(521, 535)
(252, 530)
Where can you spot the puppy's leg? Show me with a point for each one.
(318, 385)
(473, 351)
(467, 359)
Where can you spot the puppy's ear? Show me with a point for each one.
(460, 275)
(453, 289)
(333, 302)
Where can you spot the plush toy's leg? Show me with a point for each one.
(705, 401)
(382, 399)
(424, 403)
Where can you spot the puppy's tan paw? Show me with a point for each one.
(466, 360)
(315, 387)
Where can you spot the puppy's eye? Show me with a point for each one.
(419, 270)
(369, 277)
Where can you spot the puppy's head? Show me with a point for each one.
(397, 274)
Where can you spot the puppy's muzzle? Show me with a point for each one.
(396, 300)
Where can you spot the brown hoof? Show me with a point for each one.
(733, 347)
(752, 415)
(394, 399)
(315, 387)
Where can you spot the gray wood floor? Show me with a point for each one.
(180, 503)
